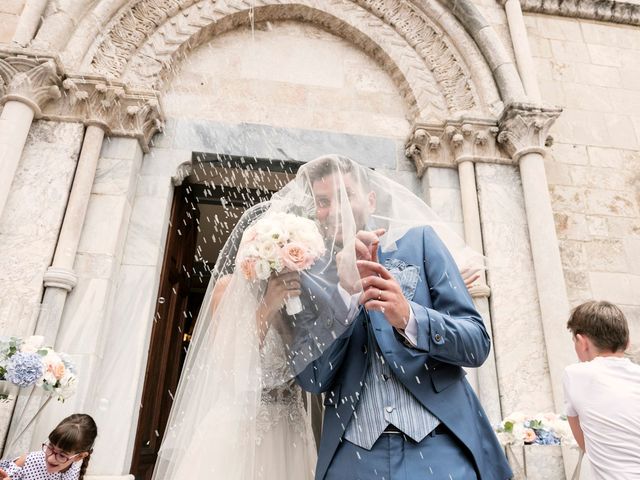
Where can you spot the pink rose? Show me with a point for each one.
(296, 257)
(529, 435)
(57, 370)
(249, 235)
(248, 268)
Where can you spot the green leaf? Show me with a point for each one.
(508, 427)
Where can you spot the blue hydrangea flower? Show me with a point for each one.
(546, 437)
(24, 369)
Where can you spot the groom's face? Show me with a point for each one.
(330, 206)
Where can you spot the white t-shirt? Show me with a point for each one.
(605, 395)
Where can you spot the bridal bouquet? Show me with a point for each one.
(277, 242)
(541, 429)
(27, 362)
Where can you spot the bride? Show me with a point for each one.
(238, 413)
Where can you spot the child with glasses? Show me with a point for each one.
(65, 456)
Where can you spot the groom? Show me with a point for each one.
(397, 405)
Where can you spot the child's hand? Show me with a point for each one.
(3, 474)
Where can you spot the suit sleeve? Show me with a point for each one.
(452, 330)
(323, 329)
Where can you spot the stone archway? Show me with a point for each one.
(144, 41)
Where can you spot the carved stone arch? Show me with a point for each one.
(408, 70)
(430, 73)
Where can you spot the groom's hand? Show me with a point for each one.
(367, 244)
(366, 248)
(382, 292)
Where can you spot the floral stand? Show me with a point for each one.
(539, 462)
(8, 394)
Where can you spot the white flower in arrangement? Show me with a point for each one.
(262, 269)
(32, 344)
(268, 250)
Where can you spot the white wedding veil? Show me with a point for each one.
(213, 421)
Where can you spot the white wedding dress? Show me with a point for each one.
(286, 446)
(284, 443)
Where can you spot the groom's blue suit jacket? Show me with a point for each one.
(451, 334)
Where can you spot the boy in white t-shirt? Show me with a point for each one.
(602, 393)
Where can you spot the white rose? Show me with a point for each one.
(516, 417)
(268, 250)
(248, 250)
(50, 378)
(263, 269)
(32, 344)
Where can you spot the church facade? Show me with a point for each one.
(134, 132)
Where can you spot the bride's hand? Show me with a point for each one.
(279, 288)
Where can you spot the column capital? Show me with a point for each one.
(524, 128)
(453, 141)
(424, 147)
(473, 140)
(30, 77)
(62, 278)
(110, 105)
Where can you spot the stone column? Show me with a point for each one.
(60, 278)
(460, 144)
(521, 49)
(469, 143)
(523, 133)
(29, 21)
(27, 83)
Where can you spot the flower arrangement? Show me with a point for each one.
(277, 242)
(27, 362)
(540, 429)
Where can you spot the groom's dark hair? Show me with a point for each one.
(325, 166)
(603, 323)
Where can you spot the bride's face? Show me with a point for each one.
(328, 203)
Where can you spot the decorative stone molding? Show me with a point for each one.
(117, 109)
(430, 42)
(29, 77)
(39, 81)
(143, 44)
(473, 140)
(424, 147)
(446, 145)
(62, 278)
(183, 171)
(524, 128)
(603, 10)
(130, 30)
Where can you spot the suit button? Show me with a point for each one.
(389, 409)
(437, 337)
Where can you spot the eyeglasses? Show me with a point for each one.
(60, 457)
